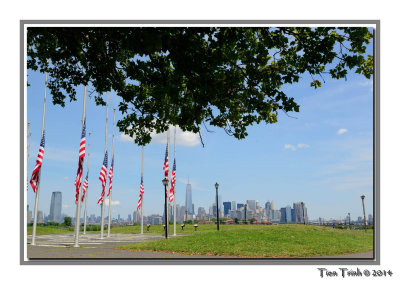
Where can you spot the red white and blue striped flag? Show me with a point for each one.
(173, 182)
(103, 177)
(85, 186)
(141, 194)
(80, 161)
(111, 175)
(166, 163)
(35, 174)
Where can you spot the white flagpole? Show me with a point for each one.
(102, 202)
(78, 204)
(175, 184)
(40, 172)
(109, 199)
(169, 166)
(87, 188)
(141, 205)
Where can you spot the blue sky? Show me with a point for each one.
(323, 157)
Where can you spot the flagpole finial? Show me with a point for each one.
(114, 109)
(29, 123)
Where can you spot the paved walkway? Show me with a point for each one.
(60, 246)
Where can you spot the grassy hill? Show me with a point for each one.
(264, 241)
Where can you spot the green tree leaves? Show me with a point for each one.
(225, 77)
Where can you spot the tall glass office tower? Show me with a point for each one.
(55, 207)
(188, 203)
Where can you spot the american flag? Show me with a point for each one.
(85, 186)
(103, 177)
(141, 194)
(173, 182)
(35, 174)
(111, 175)
(166, 163)
(80, 162)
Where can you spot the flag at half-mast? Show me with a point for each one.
(80, 161)
(111, 175)
(103, 177)
(141, 194)
(35, 174)
(173, 182)
(166, 163)
(166, 166)
(85, 186)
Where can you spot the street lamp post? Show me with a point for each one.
(302, 206)
(216, 188)
(365, 219)
(165, 182)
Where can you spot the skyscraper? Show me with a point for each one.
(286, 214)
(268, 210)
(251, 204)
(298, 213)
(188, 203)
(55, 207)
(233, 205)
(227, 207)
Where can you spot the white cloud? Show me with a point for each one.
(303, 145)
(289, 146)
(182, 138)
(341, 131)
(64, 206)
(113, 203)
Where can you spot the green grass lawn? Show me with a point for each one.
(263, 241)
(41, 230)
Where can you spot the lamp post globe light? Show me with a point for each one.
(216, 188)
(365, 219)
(165, 183)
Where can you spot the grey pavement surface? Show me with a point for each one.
(60, 246)
(91, 246)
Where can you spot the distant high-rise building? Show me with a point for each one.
(268, 210)
(55, 207)
(188, 203)
(129, 218)
(233, 206)
(40, 216)
(240, 205)
(298, 213)
(286, 214)
(251, 204)
(227, 207)
(370, 219)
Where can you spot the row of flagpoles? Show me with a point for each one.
(81, 190)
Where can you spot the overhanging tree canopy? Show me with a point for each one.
(228, 77)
